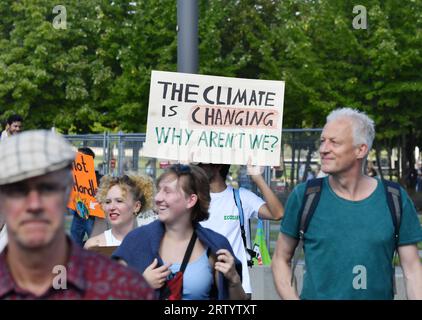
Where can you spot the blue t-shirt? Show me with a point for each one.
(197, 278)
(349, 245)
(141, 246)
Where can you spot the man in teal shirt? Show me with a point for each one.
(349, 243)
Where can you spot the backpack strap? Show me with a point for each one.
(393, 195)
(312, 196)
(188, 252)
(392, 191)
(238, 201)
(214, 289)
(173, 289)
(309, 204)
(236, 195)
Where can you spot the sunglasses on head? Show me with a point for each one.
(181, 168)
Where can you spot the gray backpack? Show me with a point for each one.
(310, 202)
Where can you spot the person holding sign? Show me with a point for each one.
(83, 222)
(122, 199)
(176, 249)
(224, 214)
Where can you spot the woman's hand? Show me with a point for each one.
(156, 277)
(225, 264)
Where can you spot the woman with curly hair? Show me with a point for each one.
(122, 199)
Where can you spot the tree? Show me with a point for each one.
(328, 64)
(95, 75)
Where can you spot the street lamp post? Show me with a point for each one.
(187, 36)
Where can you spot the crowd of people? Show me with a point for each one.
(197, 249)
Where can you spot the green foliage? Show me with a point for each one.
(95, 75)
(92, 76)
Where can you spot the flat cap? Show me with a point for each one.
(33, 153)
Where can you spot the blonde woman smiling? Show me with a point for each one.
(122, 199)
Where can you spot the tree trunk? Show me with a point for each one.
(298, 165)
(292, 169)
(390, 169)
(378, 159)
(283, 165)
(398, 167)
(408, 158)
(308, 163)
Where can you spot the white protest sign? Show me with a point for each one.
(211, 119)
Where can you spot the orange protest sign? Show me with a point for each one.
(82, 198)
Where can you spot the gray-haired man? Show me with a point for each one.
(350, 240)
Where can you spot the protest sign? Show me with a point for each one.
(198, 118)
(107, 251)
(82, 198)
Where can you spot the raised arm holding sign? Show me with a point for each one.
(86, 211)
(219, 121)
(85, 186)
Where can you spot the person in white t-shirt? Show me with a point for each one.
(13, 126)
(224, 214)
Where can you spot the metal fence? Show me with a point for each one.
(118, 153)
(121, 152)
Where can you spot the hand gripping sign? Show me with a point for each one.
(82, 198)
(214, 119)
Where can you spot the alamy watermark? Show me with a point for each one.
(60, 21)
(60, 280)
(359, 281)
(360, 21)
